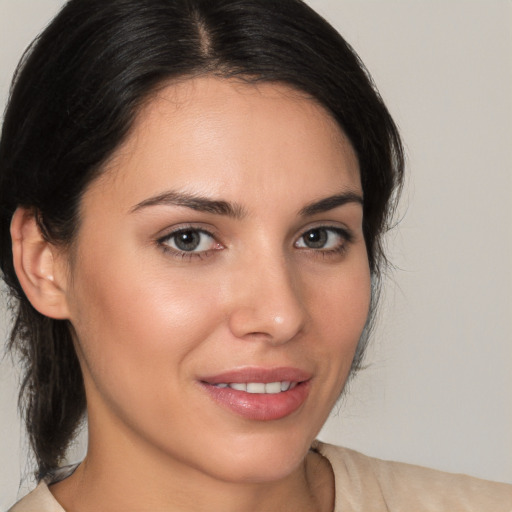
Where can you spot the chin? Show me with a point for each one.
(258, 470)
(259, 460)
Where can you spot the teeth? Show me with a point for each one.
(255, 387)
(273, 388)
(270, 388)
(285, 385)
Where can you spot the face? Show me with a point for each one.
(219, 282)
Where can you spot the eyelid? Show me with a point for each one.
(184, 226)
(164, 235)
(346, 237)
(339, 228)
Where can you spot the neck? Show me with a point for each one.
(122, 473)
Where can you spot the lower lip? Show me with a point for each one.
(260, 406)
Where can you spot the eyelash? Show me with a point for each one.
(344, 235)
(163, 242)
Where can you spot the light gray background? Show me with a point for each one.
(438, 388)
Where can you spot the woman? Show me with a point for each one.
(193, 196)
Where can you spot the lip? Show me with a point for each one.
(256, 374)
(255, 406)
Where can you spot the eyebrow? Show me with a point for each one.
(220, 207)
(194, 202)
(331, 202)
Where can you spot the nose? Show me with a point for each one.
(267, 301)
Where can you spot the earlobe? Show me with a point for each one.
(38, 266)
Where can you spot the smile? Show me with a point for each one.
(270, 388)
(259, 394)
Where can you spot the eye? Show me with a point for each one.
(323, 238)
(189, 240)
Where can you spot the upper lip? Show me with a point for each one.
(257, 374)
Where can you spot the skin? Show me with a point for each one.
(150, 321)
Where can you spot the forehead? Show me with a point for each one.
(229, 138)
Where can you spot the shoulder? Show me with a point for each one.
(363, 483)
(39, 500)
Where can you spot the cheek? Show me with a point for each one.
(341, 305)
(136, 325)
(339, 311)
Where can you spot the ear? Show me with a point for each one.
(39, 266)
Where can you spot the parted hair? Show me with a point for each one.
(75, 95)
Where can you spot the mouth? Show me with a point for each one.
(259, 394)
(269, 388)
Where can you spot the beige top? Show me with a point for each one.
(366, 484)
